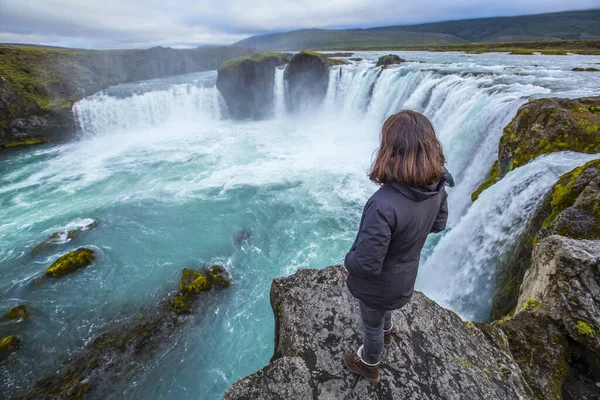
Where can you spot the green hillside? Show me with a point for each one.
(569, 25)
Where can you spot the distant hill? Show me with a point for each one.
(568, 25)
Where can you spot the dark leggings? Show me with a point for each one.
(375, 322)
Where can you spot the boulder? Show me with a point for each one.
(545, 126)
(390, 59)
(58, 238)
(19, 312)
(435, 354)
(307, 78)
(569, 209)
(247, 84)
(71, 262)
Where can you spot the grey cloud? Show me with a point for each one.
(145, 23)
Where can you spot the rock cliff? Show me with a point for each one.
(435, 355)
(38, 85)
(307, 77)
(544, 126)
(247, 84)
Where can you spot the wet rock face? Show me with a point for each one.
(435, 354)
(247, 85)
(306, 77)
(565, 279)
(545, 126)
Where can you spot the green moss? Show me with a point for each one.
(264, 57)
(564, 193)
(9, 343)
(193, 282)
(18, 312)
(182, 304)
(585, 329)
(522, 52)
(531, 304)
(494, 176)
(23, 142)
(463, 362)
(71, 262)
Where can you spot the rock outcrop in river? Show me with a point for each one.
(38, 85)
(306, 77)
(247, 84)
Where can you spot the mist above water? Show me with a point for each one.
(173, 180)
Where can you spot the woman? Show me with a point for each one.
(411, 203)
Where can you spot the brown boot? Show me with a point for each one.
(388, 340)
(356, 365)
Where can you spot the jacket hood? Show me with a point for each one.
(422, 193)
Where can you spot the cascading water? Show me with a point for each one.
(173, 180)
(279, 93)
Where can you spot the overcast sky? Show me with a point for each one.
(188, 23)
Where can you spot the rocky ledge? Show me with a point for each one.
(435, 354)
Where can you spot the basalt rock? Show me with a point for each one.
(58, 238)
(435, 354)
(115, 357)
(545, 126)
(307, 78)
(570, 209)
(71, 262)
(247, 84)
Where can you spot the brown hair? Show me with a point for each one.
(409, 153)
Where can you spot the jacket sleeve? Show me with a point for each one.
(371, 245)
(442, 216)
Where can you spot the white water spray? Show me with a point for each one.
(279, 102)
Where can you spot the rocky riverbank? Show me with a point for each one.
(39, 85)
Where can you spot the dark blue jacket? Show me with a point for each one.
(384, 258)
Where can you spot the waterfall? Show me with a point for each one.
(460, 273)
(279, 101)
(467, 111)
(102, 113)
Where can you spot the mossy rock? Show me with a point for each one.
(218, 277)
(542, 352)
(575, 204)
(546, 126)
(307, 78)
(71, 262)
(9, 344)
(390, 59)
(18, 312)
(272, 59)
(193, 282)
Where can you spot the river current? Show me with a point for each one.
(174, 181)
